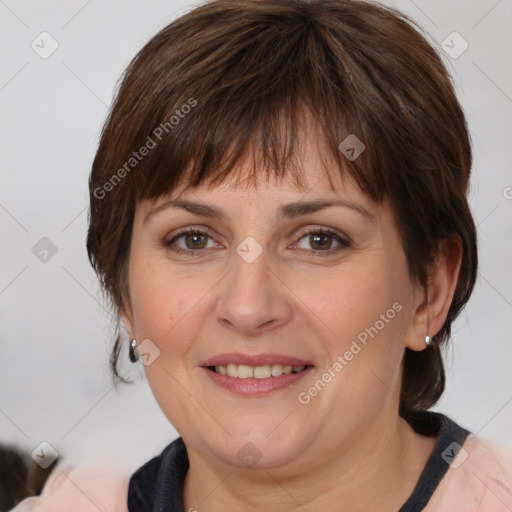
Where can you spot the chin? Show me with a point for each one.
(250, 446)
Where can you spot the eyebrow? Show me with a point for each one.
(290, 210)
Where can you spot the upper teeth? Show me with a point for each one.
(243, 371)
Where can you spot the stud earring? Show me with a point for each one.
(134, 356)
(428, 340)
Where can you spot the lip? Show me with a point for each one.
(251, 387)
(255, 360)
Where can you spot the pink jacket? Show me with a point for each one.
(80, 490)
(479, 480)
(482, 482)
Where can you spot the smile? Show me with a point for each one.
(243, 371)
(255, 380)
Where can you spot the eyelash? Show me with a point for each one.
(324, 231)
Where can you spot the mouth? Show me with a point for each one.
(255, 374)
(266, 375)
(266, 371)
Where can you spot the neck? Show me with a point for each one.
(379, 471)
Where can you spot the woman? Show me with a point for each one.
(279, 217)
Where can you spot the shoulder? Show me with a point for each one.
(80, 489)
(479, 478)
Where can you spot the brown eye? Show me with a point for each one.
(194, 241)
(321, 240)
(197, 240)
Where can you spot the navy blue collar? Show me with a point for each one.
(158, 485)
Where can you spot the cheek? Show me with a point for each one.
(361, 315)
(347, 302)
(159, 300)
(169, 304)
(165, 310)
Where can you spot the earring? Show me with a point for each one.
(134, 356)
(428, 340)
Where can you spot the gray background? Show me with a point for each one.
(54, 329)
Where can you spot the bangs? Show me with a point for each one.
(258, 145)
(225, 105)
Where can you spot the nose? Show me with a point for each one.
(253, 298)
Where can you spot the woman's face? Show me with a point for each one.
(257, 288)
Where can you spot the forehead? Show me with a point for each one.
(311, 173)
(276, 198)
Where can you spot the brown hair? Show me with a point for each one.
(236, 75)
(20, 476)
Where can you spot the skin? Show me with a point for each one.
(347, 449)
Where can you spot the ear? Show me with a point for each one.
(126, 318)
(127, 312)
(126, 309)
(431, 305)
